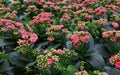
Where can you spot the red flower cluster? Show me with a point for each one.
(79, 38)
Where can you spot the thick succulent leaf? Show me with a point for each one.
(40, 45)
(91, 42)
(105, 16)
(68, 44)
(4, 42)
(3, 56)
(113, 48)
(100, 48)
(32, 63)
(71, 68)
(89, 53)
(15, 59)
(112, 71)
(96, 61)
(54, 46)
(4, 65)
(66, 73)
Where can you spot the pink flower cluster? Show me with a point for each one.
(10, 25)
(115, 60)
(27, 38)
(100, 10)
(54, 31)
(32, 8)
(50, 39)
(52, 56)
(101, 21)
(82, 25)
(43, 17)
(115, 24)
(79, 38)
(81, 73)
(111, 35)
(40, 2)
(112, 7)
(65, 17)
(5, 9)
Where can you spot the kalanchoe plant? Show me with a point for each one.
(54, 60)
(81, 73)
(115, 60)
(56, 32)
(80, 41)
(89, 28)
(84, 72)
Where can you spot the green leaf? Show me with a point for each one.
(32, 63)
(6, 1)
(54, 46)
(42, 44)
(68, 45)
(3, 56)
(101, 49)
(112, 71)
(4, 42)
(66, 73)
(26, 21)
(15, 59)
(91, 42)
(71, 68)
(4, 65)
(96, 61)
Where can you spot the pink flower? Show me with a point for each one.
(18, 24)
(42, 20)
(88, 16)
(55, 58)
(33, 38)
(115, 25)
(114, 38)
(117, 64)
(25, 36)
(21, 41)
(49, 21)
(1, 23)
(22, 31)
(75, 44)
(59, 51)
(82, 27)
(49, 61)
(112, 59)
(14, 12)
(12, 27)
(50, 38)
(65, 30)
(62, 52)
(75, 38)
(83, 39)
(105, 35)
